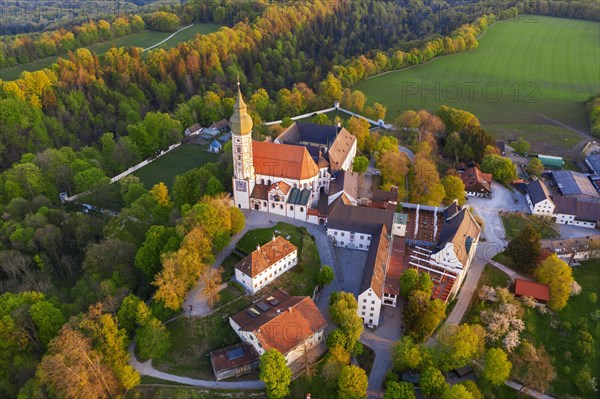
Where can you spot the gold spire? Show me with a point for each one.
(240, 122)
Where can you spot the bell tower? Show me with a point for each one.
(240, 124)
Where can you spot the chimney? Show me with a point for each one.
(290, 309)
(278, 311)
(308, 396)
(273, 237)
(257, 247)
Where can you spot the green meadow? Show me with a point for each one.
(143, 39)
(525, 75)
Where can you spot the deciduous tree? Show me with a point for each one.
(360, 165)
(525, 249)
(325, 276)
(558, 275)
(399, 390)
(275, 373)
(352, 383)
(457, 345)
(433, 383)
(454, 189)
(496, 366)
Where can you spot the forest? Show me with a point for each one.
(76, 286)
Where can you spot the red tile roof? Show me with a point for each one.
(263, 257)
(538, 291)
(285, 325)
(283, 160)
(475, 178)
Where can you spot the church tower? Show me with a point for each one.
(240, 124)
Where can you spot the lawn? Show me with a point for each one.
(301, 279)
(193, 339)
(514, 223)
(491, 277)
(522, 73)
(143, 39)
(558, 333)
(176, 162)
(251, 239)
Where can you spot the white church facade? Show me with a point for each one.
(286, 177)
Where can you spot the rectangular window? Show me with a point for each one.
(373, 302)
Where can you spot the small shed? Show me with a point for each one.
(194, 129)
(539, 292)
(551, 162)
(234, 361)
(215, 147)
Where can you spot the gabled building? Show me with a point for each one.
(291, 324)
(234, 361)
(266, 263)
(193, 130)
(477, 183)
(575, 184)
(593, 163)
(299, 159)
(539, 199)
(355, 226)
(372, 288)
(537, 291)
(344, 182)
(573, 250)
(576, 211)
(334, 144)
(446, 250)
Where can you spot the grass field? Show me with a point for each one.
(143, 39)
(521, 74)
(558, 333)
(514, 223)
(176, 162)
(251, 239)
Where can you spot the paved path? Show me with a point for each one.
(383, 361)
(531, 392)
(146, 368)
(159, 43)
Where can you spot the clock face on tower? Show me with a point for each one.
(240, 185)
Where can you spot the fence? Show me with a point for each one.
(127, 172)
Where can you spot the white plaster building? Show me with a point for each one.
(292, 325)
(266, 263)
(539, 200)
(302, 168)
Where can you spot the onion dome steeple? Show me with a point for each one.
(240, 122)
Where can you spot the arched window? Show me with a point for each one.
(269, 182)
(262, 181)
(280, 206)
(301, 209)
(265, 203)
(291, 208)
(272, 205)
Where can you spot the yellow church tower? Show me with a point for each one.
(240, 124)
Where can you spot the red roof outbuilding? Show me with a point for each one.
(539, 292)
